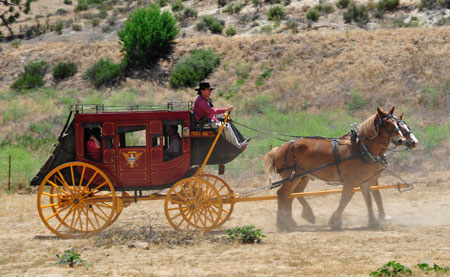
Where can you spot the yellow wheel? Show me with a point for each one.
(193, 203)
(120, 205)
(226, 194)
(76, 200)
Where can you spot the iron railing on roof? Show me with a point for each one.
(101, 108)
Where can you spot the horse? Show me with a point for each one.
(411, 143)
(352, 162)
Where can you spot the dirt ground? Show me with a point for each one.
(417, 232)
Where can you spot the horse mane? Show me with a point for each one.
(367, 129)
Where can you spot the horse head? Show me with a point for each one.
(411, 140)
(387, 122)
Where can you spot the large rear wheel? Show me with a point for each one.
(193, 203)
(76, 199)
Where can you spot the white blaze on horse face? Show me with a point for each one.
(411, 140)
(397, 139)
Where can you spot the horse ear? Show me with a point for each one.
(392, 110)
(401, 116)
(381, 112)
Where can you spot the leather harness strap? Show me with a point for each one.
(335, 147)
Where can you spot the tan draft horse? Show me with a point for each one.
(353, 162)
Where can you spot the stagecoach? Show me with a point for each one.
(80, 196)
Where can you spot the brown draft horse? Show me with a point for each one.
(353, 162)
(411, 143)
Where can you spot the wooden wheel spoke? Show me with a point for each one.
(51, 195)
(73, 177)
(82, 178)
(63, 220)
(50, 205)
(56, 186)
(180, 196)
(63, 181)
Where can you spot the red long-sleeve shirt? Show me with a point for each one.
(202, 108)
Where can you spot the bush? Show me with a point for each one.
(388, 5)
(313, 14)
(392, 268)
(275, 13)
(77, 27)
(71, 258)
(193, 69)
(230, 31)
(104, 73)
(211, 23)
(68, 2)
(190, 13)
(32, 77)
(356, 102)
(343, 4)
(177, 6)
(356, 13)
(64, 70)
(147, 36)
(244, 234)
(59, 27)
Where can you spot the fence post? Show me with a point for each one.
(9, 174)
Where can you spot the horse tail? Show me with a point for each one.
(269, 165)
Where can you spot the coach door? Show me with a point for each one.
(133, 164)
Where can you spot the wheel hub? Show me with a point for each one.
(192, 207)
(76, 201)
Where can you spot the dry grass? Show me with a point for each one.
(417, 232)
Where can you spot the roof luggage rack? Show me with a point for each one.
(100, 108)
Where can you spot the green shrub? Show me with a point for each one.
(147, 36)
(95, 22)
(356, 102)
(68, 2)
(82, 6)
(230, 31)
(244, 234)
(210, 23)
(275, 13)
(343, 4)
(313, 14)
(193, 69)
(104, 73)
(32, 77)
(59, 27)
(71, 258)
(77, 27)
(357, 13)
(388, 5)
(190, 13)
(262, 77)
(177, 6)
(425, 267)
(61, 11)
(64, 70)
(392, 268)
(162, 3)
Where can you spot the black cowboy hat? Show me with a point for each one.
(203, 86)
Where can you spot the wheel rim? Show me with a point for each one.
(225, 192)
(76, 200)
(193, 203)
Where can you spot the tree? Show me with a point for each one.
(11, 11)
(147, 36)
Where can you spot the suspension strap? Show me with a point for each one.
(335, 147)
(65, 126)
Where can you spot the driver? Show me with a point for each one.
(203, 108)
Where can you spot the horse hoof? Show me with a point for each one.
(310, 217)
(375, 225)
(286, 225)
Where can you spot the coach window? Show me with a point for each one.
(132, 136)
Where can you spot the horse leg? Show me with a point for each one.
(307, 213)
(285, 222)
(335, 221)
(365, 190)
